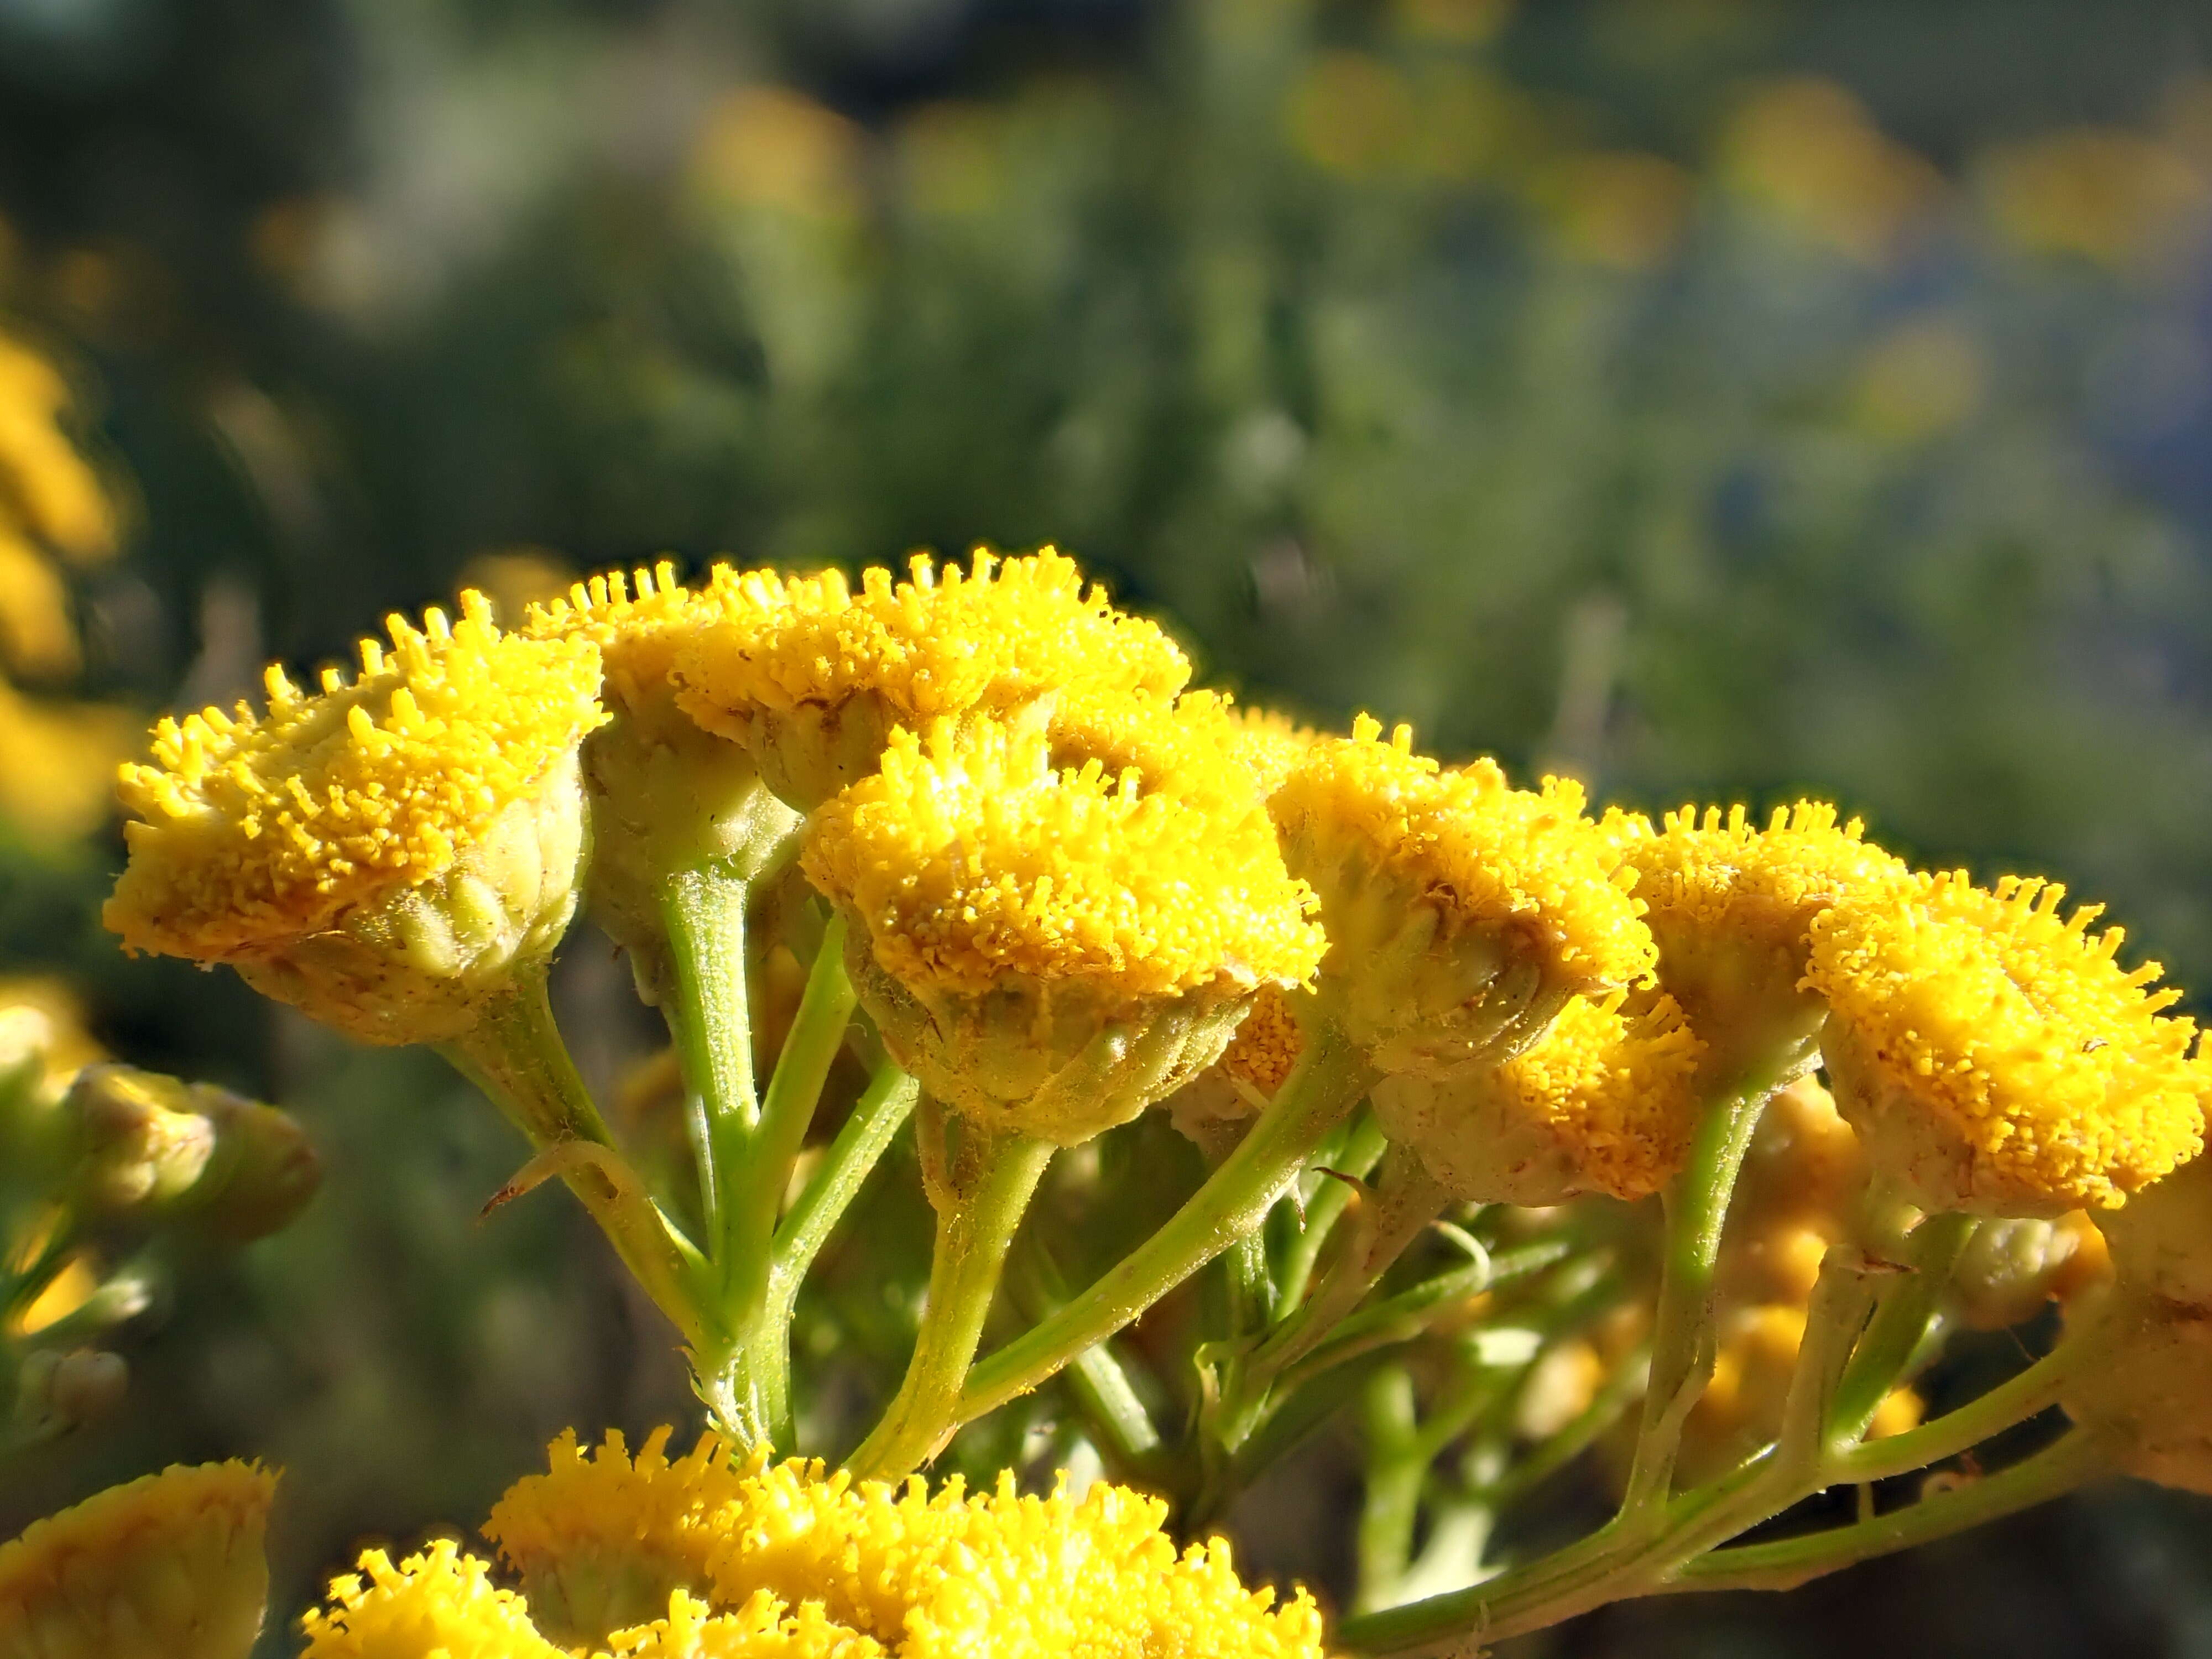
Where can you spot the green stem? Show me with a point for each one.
(1330, 1077)
(2076, 1457)
(876, 1119)
(2012, 1401)
(1901, 1319)
(1682, 1346)
(989, 1178)
(515, 1052)
(1390, 1508)
(709, 1015)
(1363, 1150)
(1407, 1315)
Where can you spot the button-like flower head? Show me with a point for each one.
(1732, 908)
(171, 1566)
(1052, 951)
(813, 677)
(1604, 1102)
(1462, 913)
(666, 796)
(1994, 1057)
(381, 855)
(439, 1602)
(601, 1540)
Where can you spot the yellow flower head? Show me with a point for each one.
(1273, 744)
(666, 796)
(958, 1574)
(1052, 951)
(439, 1604)
(1994, 1057)
(600, 1541)
(813, 676)
(1732, 907)
(1604, 1102)
(380, 853)
(170, 1566)
(1462, 913)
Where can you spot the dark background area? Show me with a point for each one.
(1718, 399)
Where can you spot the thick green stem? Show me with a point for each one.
(1396, 1469)
(2077, 1457)
(515, 1051)
(1899, 1321)
(988, 1181)
(1682, 1346)
(709, 1015)
(1330, 1078)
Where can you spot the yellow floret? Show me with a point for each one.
(1012, 921)
(601, 1540)
(170, 1566)
(1462, 913)
(440, 1604)
(1732, 907)
(1993, 1055)
(252, 830)
(1604, 1102)
(1266, 1045)
(814, 676)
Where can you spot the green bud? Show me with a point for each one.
(161, 1151)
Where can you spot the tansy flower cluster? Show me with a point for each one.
(793, 1562)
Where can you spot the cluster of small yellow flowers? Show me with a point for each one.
(171, 1566)
(998, 901)
(1994, 1056)
(792, 1562)
(384, 851)
(1461, 914)
(1732, 907)
(1604, 1102)
(814, 677)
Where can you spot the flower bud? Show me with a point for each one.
(171, 1566)
(159, 1150)
(56, 1392)
(2014, 1267)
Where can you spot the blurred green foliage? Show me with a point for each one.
(1719, 398)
